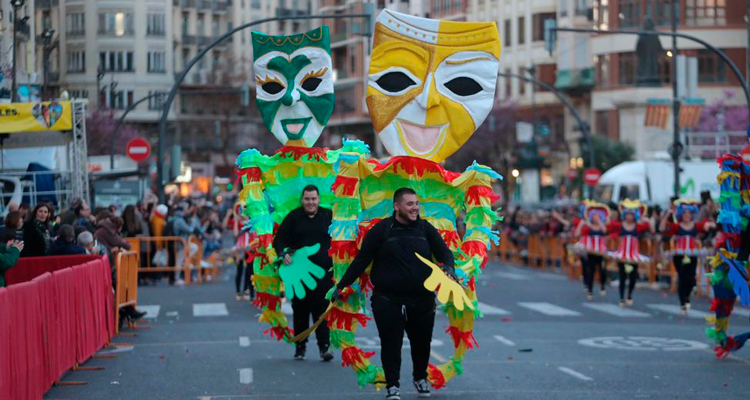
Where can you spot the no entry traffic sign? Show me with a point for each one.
(138, 149)
(591, 176)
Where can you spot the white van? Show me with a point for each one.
(653, 181)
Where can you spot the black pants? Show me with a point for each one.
(243, 268)
(314, 304)
(591, 264)
(394, 315)
(686, 276)
(633, 275)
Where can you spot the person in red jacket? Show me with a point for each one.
(684, 230)
(629, 230)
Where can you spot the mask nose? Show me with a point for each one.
(429, 96)
(291, 97)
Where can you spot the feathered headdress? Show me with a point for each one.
(592, 207)
(682, 205)
(632, 206)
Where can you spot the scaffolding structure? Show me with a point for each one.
(79, 152)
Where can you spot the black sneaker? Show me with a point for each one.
(299, 352)
(393, 393)
(422, 388)
(325, 354)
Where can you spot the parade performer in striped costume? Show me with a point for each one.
(592, 244)
(628, 230)
(686, 247)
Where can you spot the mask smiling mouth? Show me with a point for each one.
(295, 127)
(420, 139)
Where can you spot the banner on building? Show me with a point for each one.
(690, 112)
(657, 113)
(35, 117)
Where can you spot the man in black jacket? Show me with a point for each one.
(306, 226)
(400, 301)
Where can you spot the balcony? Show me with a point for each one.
(53, 77)
(189, 40)
(186, 3)
(204, 40)
(575, 80)
(288, 12)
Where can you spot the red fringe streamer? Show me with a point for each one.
(342, 248)
(450, 237)
(412, 165)
(723, 351)
(269, 300)
(435, 376)
(343, 320)
(729, 157)
(365, 284)
(316, 153)
(473, 284)
(728, 240)
(459, 337)
(476, 248)
(252, 174)
(348, 184)
(722, 307)
(354, 355)
(475, 193)
(279, 332)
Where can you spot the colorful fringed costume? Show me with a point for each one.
(628, 248)
(592, 240)
(686, 242)
(431, 85)
(730, 276)
(295, 97)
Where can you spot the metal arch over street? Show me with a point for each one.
(584, 126)
(173, 92)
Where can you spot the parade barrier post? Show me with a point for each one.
(52, 323)
(126, 287)
(177, 255)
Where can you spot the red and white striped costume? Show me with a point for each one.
(628, 251)
(685, 241)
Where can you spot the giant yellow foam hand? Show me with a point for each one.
(448, 288)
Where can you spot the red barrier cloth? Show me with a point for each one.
(29, 268)
(50, 323)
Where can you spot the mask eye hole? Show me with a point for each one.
(463, 86)
(272, 87)
(395, 82)
(310, 84)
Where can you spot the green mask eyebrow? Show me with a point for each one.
(263, 43)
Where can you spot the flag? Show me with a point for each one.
(690, 112)
(657, 113)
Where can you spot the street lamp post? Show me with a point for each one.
(173, 92)
(16, 4)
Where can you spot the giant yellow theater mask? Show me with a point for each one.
(431, 83)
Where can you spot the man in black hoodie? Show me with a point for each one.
(400, 301)
(303, 227)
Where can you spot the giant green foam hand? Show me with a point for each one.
(447, 288)
(301, 272)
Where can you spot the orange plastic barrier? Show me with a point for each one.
(126, 287)
(171, 246)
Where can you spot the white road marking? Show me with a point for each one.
(152, 312)
(210, 310)
(244, 341)
(552, 277)
(246, 376)
(118, 349)
(512, 276)
(504, 341)
(550, 309)
(490, 310)
(286, 308)
(675, 309)
(438, 357)
(616, 310)
(742, 312)
(172, 314)
(575, 374)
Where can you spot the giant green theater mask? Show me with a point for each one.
(294, 81)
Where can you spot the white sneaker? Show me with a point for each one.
(392, 393)
(423, 388)
(179, 282)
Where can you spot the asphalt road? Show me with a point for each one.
(539, 339)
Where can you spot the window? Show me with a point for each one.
(76, 24)
(446, 6)
(215, 26)
(601, 14)
(508, 86)
(705, 12)
(116, 99)
(582, 7)
(506, 39)
(116, 23)
(156, 61)
(563, 8)
(521, 30)
(157, 101)
(630, 191)
(627, 65)
(602, 70)
(79, 94)
(662, 12)
(602, 122)
(255, 4)
(185, 58)
(116, 61)
(630, 13)
(76, 61)
(538, 24)
(185, 24)
(711, 69)
(458, 5)
(201, 27)
(155, 25)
